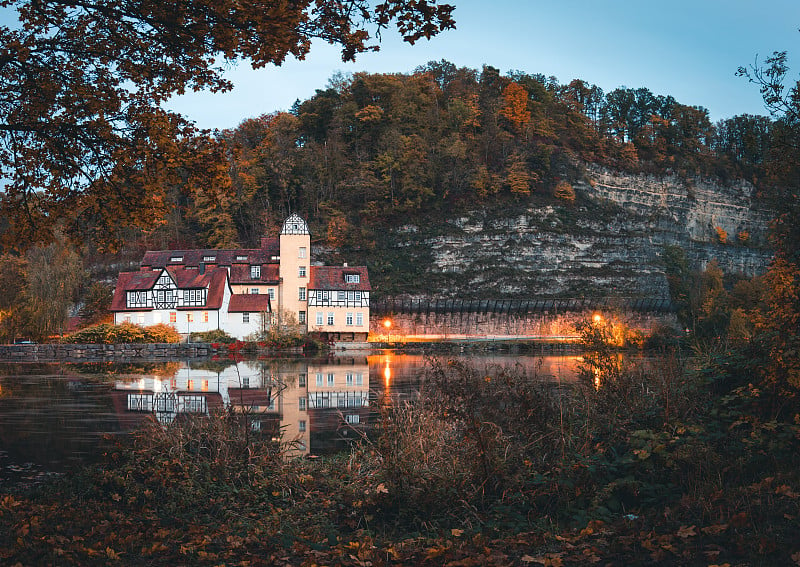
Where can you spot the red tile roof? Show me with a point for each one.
(249, 396)
(257, 256)
(214, 280)
(249, 303)
(333, 278)
(240, 274)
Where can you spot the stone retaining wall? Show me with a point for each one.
(497, 324)
(94, 352)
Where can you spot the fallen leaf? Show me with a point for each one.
(686, 531)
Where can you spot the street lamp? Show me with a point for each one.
(388, 324)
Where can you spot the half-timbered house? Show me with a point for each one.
(240, 291)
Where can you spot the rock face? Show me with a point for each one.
(608, 244)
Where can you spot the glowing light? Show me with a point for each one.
(387, 371)
(597, 318)
(387, 323)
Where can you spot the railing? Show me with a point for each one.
(518, 306)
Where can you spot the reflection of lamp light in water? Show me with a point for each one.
(597, 317)
(388, 324)
(387, 373)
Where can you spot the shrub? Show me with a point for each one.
(215, 336)
(564, 191)
(107, 333)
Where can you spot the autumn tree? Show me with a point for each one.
(782, 97)
(81, 128)
(53, 276)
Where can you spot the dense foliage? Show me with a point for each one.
(83, 138)
(373, 148)
(106, 333)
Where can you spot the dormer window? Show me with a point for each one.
(209, 258)
(176, 259)
(255, 272)
(241, 258)
(352, 278)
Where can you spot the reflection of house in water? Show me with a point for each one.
(315, 404)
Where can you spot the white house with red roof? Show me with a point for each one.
(241, 291)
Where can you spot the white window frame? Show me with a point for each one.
(301, 271)
(255, 272)
(359, 319)
(246, 317)
(319, 318)
(331, 318)
(301, 294)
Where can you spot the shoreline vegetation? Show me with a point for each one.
(689, 461)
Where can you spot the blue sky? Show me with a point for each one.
(688, 49)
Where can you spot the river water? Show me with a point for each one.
(54, 417)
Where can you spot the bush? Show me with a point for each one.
(215, 336)
(107, 333)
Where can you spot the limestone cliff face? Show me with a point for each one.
(608, 244)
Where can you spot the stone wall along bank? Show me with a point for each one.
(94, 352)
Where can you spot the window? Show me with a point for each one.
(319, 318)
(352, 278)
(319, 378)
(301, 425)
(127, 318)
(245, 382)
(205, 316)
(301, 252)
(330, 378)
(176, 259)
(209, 258)
(359, 319)
(190, 385)
(330, 318)
(301, 294)
(190, 317)
(341, 295)
(301, 380)
(301, 271)
(254, 291)
(140, 319)
(301, 404)
(245, 317)
(271, 293)
(255, 272)
(301, 317)
(173, 317)
(353, 419)
(359, 379)
(349, 319)
(348, 378)
(241, 258)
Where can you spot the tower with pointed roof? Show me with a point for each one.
(295, 268)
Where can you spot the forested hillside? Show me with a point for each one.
(372, 149)
(374, 153)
